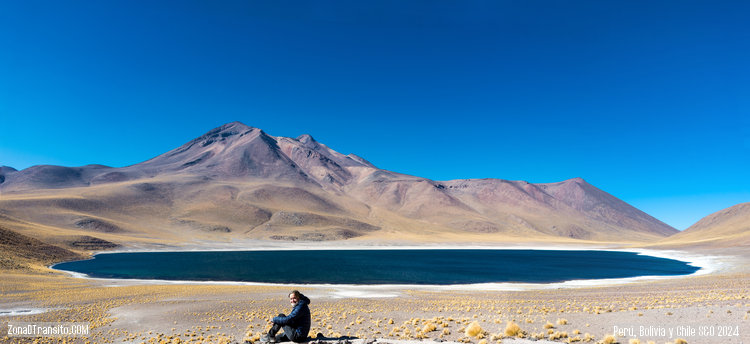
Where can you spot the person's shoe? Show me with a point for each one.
(267, 339)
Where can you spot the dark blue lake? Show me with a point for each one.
(443, 267)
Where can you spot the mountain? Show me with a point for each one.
(724, 228)
(233, 151)
(237, 182)
(17, 251)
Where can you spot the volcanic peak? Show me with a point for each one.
(305, 138)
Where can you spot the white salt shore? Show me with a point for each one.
(707, 264)
(21, 311)
(404, 341)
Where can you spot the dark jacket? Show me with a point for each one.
(299, 318)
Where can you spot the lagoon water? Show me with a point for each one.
(403, 266)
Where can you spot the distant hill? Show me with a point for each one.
(237, 182)
(724, 228)
(19, 252)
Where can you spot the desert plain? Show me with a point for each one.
(711, 306)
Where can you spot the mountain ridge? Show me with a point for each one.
(725, 228)
(189, 184)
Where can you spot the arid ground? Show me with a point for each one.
(715, 305)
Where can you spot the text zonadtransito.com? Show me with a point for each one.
(55, 329)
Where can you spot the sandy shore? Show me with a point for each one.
(711, 306)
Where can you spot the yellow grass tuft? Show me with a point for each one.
(634, 341)
(429, 328)
(562, 321)
(610, 339)
(473, 330)
(512, 329)
(680, 341)
(249, 336)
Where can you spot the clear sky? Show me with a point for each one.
(647, 100)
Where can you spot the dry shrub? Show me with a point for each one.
(562, 321)
(512, 329)
(634, 341)
(429, 328)
(473, 330)
(609, 340)
(680, 341)
(252, 337)
(558, 335)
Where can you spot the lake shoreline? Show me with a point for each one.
(138, 311)
(707, 264)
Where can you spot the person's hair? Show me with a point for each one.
(296, 293)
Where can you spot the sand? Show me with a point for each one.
(715, 301)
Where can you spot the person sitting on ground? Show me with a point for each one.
(296, 325)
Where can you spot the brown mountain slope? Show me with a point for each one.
(237, 182)
(724, 228)
(173, 209)
(572, 208)
(19, 252)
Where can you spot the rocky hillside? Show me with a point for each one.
(724, 228)
(237, 182)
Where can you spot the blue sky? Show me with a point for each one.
(647, 100)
